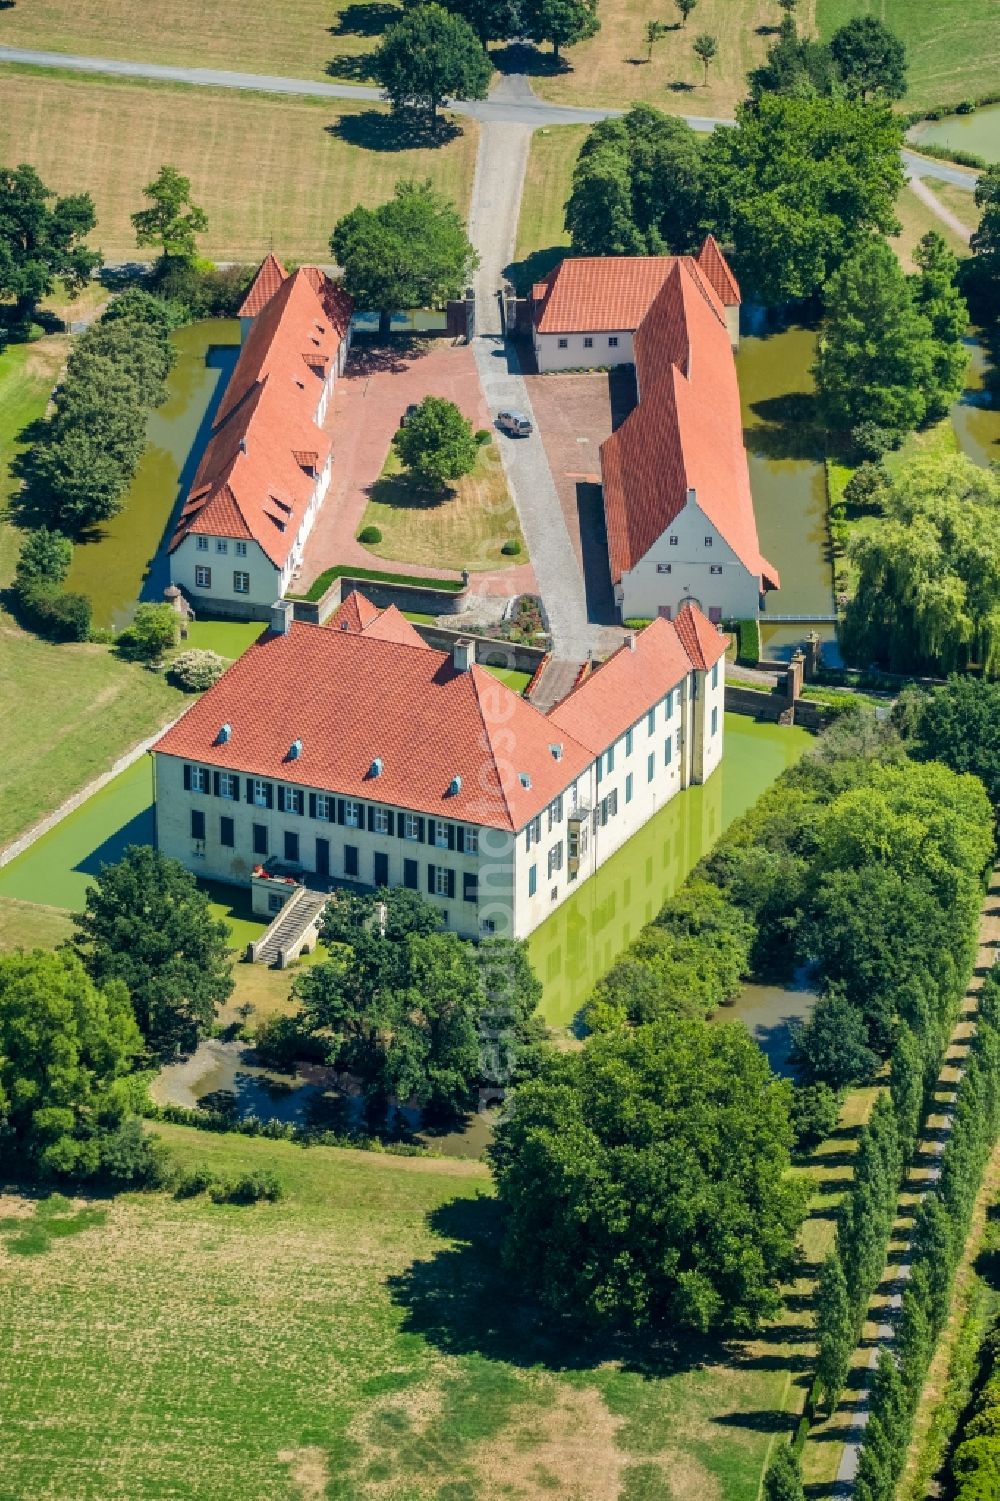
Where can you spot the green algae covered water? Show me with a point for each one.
(584, 937)
(126, 561)
(978, 132)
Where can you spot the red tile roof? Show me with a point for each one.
(604, 293)
(685, 435)
(359, 614)
(270, 274)
(337, 305)
(252, 481)
(704, 644)
(351, 698)
(617, 694)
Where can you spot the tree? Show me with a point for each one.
(814, 1114)
(437, 443)
(561, 22)
(152, 633)
(412, 252)
(147, 923)
(835, 1333)
(645, 1181)
(45, 557)
(637, 187)
(794, 65)
(929, 574)
(870, 58)
(985, 241)
(429, 56)
(798, 185)
(685, 7)
(491, 20)
(788, 6)
(654, 31)
(783, 1479)
(959, 724)
(705, 48)
(832, 1047)
(172, 221)
(42, 239)
(65, 1049)
(877, 353)
(936, 295)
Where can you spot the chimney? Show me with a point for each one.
(243, 445)
(630, 640)
(463, 654)
(692, 497)
(282, 614)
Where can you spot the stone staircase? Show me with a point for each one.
(294, 928)
(553, 683)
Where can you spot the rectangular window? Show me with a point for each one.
(470, 887)
(350, 859)
(275, 902)
(203, 578)
(227, 833)
(600, 769)
(261, 793)
(628, 742)
(715, 721)
(440, 835)
(609, 758)
(563, 343)
(241, 549)
(628, 788)
(668, 704)
(323, 808)
(612, 341)
(294, 800)
(291, 846)
(380, 821)
(260, 839)
(201, 543)
(532, 879)
(221, 545)
(352, 814)
(651, 721)
(555, 858)
(715, 614)
(555, 812)
(197, 824)
(715, 676)
(199, 779)
(411, 826)
(668, 751)
(715, 568)
(664, 567)
(708, 541)
(229, 786)
(588, 342)
(488, 927)
(650, 767)
(241, 582)
(410, 874)
(441, 874)
(472, 841)
(672, 541)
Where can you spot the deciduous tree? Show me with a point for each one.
(685, 7)
(437, 443)
(835, 1334)
(42, 239)
(561, 22)
(429, 56)
(870, 58)
(705, 48)
(936, 295)
(171, 221)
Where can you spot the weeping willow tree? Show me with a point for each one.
(928, 594)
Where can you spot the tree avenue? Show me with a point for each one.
(412, 252)
(645, 1180)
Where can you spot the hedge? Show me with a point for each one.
(329, 576)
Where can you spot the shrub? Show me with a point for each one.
(249, 1188)
(815, 1112)
(53, 613)
(197, 1180)
(199, 289)
(867, 486)
(483, 436)
(152, 632)
(280, 1042)
(871, 442)
(369, 535)
(45, 558)
(511, 548)
(129, 1156)
(194, 671)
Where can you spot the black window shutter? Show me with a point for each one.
(187, 777)
(371, 819)
(430, 879)
(392, 821)
(420, 830)
(461, 839)
(249, 789)
(281, 797)
(451, 836)
(340, 810)
(269, 794)
(331, 810)
(451, 883)
(312, 805)
(236, 788)
(215, 783)
(430, 830)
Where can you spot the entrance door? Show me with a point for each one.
(322, 857)
(381, 870)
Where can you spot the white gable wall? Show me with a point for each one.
(647, 588)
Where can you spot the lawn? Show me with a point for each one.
(917, 218)
(25, 925)
(513, 679)
(464, 528)
(27, 374)
(541, 232)
(270, 171)
(358, 1340)
(960, 201)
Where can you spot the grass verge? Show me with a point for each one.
(917, 218)
(463, 527)
(542, 239)
(322, 582)
(269, 170)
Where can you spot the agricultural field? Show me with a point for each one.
(270, 171)
(359, 1339)
(465, 527)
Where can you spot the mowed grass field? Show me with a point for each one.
(268, 170)
(358, 1340)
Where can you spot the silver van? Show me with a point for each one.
(514, 424)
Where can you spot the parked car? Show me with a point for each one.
(411, 411)
(514, 424)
